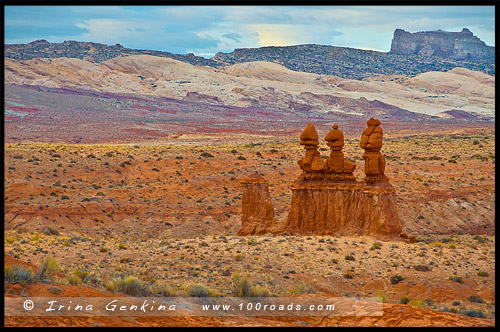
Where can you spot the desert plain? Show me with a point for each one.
(166, 213)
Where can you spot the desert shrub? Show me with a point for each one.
(122, 246)
(381, 297)
(129, 285)
(260, 291)
(376, 245)
(242, 286)
(241, 158)
(404, 300)
(302, 288)
(17, 273)
(199, 290)
(102, 249)
(207, 155)
(395, 279)
(483, 274)
(54, 289)
(48, 268)
(11, 239)
(349, 258)
(348, 275)
(50, 231)
(422, 268)
(418, 303)
(163, 290)
(76, 277)
(475, 313)
(480, 239)
(475, 299)
(238, 257)
(457, 279)
(455, 303)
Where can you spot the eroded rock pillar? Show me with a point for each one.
(257, 209)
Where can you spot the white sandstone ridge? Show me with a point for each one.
(261, 83)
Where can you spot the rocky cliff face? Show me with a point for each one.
(343, 209)
(453, 45)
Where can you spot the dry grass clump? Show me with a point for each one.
(242, 286)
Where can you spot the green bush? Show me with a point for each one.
(418, 303)
(302, 288)
(17, 273)
(395, 279)
(381, 297)
(48, 268)
(422, 268)
(457, 279)
(483, 274)
(129, 285)
(163, 290)
(199, 290)
(242, 286)
(54, 289)
(475, 298)
(475, 313)
(73, 278)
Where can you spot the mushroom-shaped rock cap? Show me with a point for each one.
(335, 134)
(373, 122)
(309, 136)
(254, 178)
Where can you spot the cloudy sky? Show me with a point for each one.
(205, 30)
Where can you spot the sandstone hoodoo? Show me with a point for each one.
(371, 142)
(326, 198)
(258, 212)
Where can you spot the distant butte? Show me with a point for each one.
(454, 45)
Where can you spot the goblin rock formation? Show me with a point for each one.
(326, 198)
(371, 142)
(454, 45)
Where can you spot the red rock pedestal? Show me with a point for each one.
(326, 198)
(322, 208)
(258, 212)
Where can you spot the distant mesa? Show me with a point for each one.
(454, 45)
(326, 198)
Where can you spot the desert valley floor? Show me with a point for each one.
(166, 212)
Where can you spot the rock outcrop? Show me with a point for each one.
(326, 198)
(258, 212)
(454, 45)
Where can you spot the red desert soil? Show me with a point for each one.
(394, 314)
(169, 210)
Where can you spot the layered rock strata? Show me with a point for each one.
(326, 198)
(258, 212)
(454, 45)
